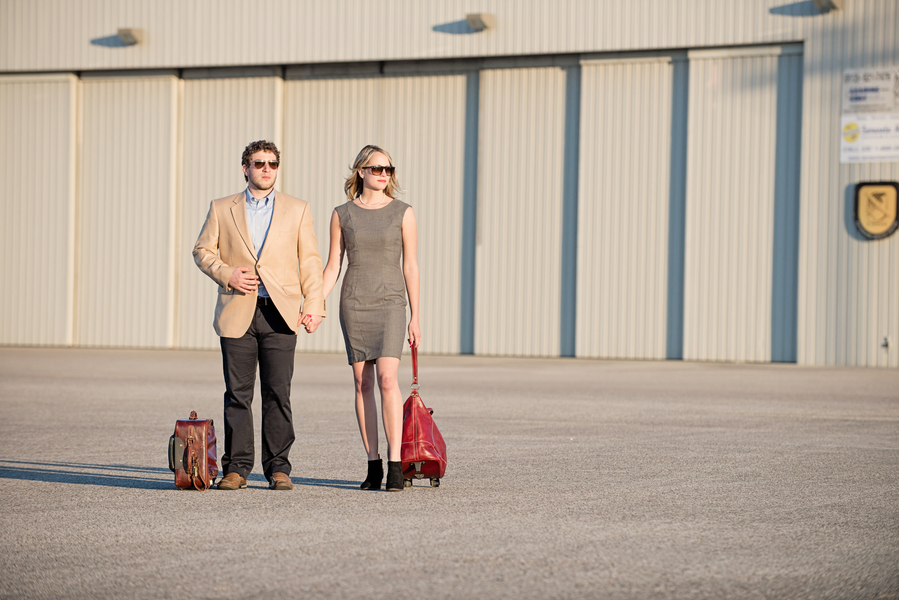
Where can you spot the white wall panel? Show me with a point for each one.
(420, 120)
(517, 290)
(38, 126)
(126, 222)
(220, 116)
(622, 265)
(731, 206)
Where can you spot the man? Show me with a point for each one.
(260, 247)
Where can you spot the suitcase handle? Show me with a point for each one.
(176, 453)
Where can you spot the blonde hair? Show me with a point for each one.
(353, 184)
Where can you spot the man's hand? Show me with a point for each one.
(244, 280)
(310, 322)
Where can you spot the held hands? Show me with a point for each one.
(310, 322)
(244, 280)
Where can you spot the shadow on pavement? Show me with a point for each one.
(125, 476)
(85, 474)
(340, 484)
(333, 483)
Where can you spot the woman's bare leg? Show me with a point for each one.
(366, 409)
(391, 405)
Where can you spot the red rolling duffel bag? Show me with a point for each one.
(423, 451)
(192, 454)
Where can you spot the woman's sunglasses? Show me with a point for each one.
(378, 170)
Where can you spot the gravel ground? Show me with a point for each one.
(566, 479)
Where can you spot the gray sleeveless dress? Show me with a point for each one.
(373, 295)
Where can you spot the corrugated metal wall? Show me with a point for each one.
(625, 192)
(732, 195)
(835, 303)
(517, 286)
(222, 112)
(848, 286)
(38, 126)
(127, 215)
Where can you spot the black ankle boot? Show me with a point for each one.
(375, 475)
(394, 476)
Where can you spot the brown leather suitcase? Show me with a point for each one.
(192, 453)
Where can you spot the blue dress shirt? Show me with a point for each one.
(259, 219)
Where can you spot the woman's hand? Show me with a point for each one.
(310, 322)
(414, 333)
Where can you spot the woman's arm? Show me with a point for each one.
(410, 272)
(331, 271)
(335, 256)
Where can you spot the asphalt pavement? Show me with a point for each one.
(567, 479)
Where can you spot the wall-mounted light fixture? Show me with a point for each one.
(480, 21)
(131, 37)
(828, 5)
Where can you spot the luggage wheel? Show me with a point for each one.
(407, 483)
(435, 482)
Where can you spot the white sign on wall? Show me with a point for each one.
(869, 125)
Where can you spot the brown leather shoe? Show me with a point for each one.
(232, 481)
(280, 481)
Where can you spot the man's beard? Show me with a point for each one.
(260, 185)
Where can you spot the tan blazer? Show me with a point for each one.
(290, 266)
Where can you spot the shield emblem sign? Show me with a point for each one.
(877, 208)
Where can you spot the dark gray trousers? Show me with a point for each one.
(271, 344)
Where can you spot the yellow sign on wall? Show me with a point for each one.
(877, 208)
(850, 132)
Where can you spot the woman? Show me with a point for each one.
(378, 234)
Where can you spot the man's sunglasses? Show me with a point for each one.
(259, 164)
(378, 170)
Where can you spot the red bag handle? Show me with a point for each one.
(414, 365)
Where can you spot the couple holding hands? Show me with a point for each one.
(260, 247)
